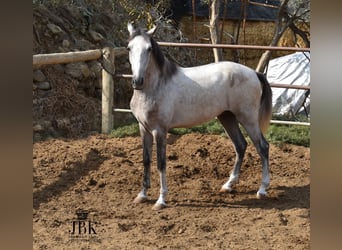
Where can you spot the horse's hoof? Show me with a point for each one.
(261, 196)
(140, 199)
(158, 206)
(225, 190)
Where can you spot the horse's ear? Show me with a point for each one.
(152, 30)
(130, 28)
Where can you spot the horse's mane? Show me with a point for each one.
(166, 67)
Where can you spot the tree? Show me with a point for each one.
(289, 13)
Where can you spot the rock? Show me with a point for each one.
(38, 76)
(62, 49)
(55, 29)
(83, 44)
(63, 123)
(38, 128)
(46, 123)
(85, 70)
(96, 69)
(36, 137)
(96, 36)
(43, 85)
(59, 68)
(78, 70)
(65, 43)
(99, 28)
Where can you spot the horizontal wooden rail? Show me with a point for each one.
(273, 85)
(290, 123)
(68, 57)
(124, 75)
(271, 121)
(233, 46)
(289, 86)
(122, 110)
(76, 56)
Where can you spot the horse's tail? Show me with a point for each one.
(265, 111)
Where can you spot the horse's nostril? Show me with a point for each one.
(138, 83)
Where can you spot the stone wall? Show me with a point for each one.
(67, 97)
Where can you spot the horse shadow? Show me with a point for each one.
(68, 177)
(285, 198)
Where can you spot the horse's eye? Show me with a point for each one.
(149, 49)
(128, 48)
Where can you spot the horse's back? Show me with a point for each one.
(225, 72)
(222, 81)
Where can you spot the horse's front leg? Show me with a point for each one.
(161, 165)
(147, 143)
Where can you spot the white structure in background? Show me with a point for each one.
(292, 69)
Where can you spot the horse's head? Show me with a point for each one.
(139, 47)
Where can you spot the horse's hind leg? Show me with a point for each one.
(230, 124)
(262, 147)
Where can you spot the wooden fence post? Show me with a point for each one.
(107, 89)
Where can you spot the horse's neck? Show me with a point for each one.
(152, 78)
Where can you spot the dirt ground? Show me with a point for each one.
(101, 176)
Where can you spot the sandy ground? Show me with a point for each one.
(101, 176)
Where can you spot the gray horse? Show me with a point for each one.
(167, 96)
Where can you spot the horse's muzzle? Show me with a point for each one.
(138, 83)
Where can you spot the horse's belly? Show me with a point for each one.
(190, 115)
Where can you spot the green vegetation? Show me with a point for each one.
(292, 134)
(212, 127)
(125, 131)
(276, 134)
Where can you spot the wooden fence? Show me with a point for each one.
(108, 62)
(108, 58)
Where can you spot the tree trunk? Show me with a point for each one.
(279, 31)
(214, 18)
